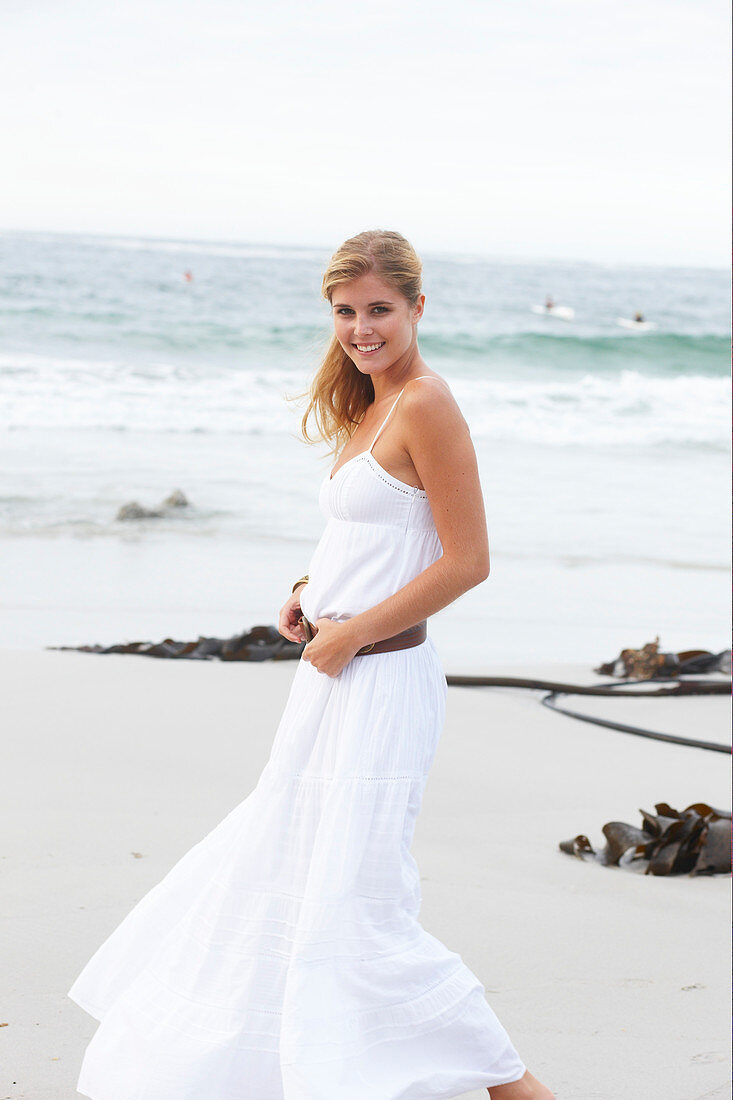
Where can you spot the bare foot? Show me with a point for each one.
(526, 1088)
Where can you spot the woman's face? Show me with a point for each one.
(374, 323)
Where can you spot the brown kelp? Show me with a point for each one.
(261, 643)
(695, 841)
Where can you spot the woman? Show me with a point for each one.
(282, 958)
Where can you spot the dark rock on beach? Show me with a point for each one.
(177, 499)
(133, 510)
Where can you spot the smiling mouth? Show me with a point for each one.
(368, 349)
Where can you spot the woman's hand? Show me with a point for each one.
(290, 612)
(333, 646)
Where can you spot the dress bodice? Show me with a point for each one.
(379, 535)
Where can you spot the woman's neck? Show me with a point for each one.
(389, 382)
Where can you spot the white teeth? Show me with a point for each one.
(368, 347)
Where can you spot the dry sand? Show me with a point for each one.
(611, 984)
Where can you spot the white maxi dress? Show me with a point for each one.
(281, 958)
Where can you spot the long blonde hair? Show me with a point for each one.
(340, 394)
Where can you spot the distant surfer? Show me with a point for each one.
(550, 308)
(188, 276)
(636, 323)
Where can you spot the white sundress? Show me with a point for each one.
(281, 958)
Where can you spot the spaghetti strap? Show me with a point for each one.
(381, 426)
(394, 403)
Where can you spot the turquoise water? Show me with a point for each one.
(599, 448)
(107, 334)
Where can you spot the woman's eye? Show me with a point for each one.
(346, 309)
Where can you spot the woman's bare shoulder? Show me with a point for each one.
(430, 395)
(414, 385)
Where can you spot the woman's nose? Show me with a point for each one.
(362, 327)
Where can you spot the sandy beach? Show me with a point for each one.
(612, 984)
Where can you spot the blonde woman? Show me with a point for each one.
(282, 957)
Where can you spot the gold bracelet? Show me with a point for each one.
(303, 580)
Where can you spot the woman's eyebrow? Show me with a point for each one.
(382, 303)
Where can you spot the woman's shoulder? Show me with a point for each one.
(427, 387)
(432, 377)
(430, 398)
(428, 390)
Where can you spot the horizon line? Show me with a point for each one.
(328, 249)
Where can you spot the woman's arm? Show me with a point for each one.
(438, 441)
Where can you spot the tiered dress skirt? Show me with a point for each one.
(282, 958)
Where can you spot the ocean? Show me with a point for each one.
(603, 452)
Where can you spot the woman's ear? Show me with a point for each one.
(418, 309)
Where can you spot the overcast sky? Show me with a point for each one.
(581, 129)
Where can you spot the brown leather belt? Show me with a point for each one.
(406, 639)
